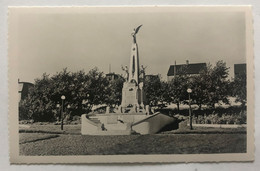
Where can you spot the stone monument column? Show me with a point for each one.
(132, 95)
(134, 64)
(134, 59)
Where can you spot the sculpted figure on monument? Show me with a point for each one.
(142, 72)
(135, 32)
(126, 75)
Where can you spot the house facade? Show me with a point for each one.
(190, 69)
(23, 89)
(112, 76)
(239, 70)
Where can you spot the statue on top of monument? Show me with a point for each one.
(135, 32)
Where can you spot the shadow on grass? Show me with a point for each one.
(28, 138)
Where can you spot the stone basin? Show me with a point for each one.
(123, 124)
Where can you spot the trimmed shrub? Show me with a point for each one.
(224, 119)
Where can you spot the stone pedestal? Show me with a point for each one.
(132, 98)
(130, 93)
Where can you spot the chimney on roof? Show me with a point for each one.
(187, 62)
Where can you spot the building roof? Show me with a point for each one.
(21, 85)
(111, 74)
(240, 69)
(189, 68)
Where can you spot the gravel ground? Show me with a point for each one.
(137, 144)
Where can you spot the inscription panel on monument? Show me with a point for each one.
(131, 97)
(131, 94)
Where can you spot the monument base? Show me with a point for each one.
(123, 124)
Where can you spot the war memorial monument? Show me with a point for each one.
(134, 114)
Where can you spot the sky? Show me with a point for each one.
(48, 40)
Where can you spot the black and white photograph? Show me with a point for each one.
(131, 84)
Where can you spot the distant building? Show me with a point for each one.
(150, 77)
(239, 70)
(23, 89)
(189, 69)
(112, 76)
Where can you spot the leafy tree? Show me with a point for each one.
(81, 90)
(114, 91)
(199, 91)
(164, 94)
(78, 92)
(37, 105)
(218, 88)
(96, 89)
(211, 86)
(153, 89)
(200, 85)
(177, 89)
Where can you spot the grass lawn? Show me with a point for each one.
(137, 144)
(181, 129)
(50, 140)
(52, 129)
(26, 138)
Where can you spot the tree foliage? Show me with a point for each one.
(209, 87)
(153, 89)
(218, 84)
(177, 89)
(84, 90)
(81, 90)
(114, 91)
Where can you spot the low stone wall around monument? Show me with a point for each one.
(124, 124)
(152, 124)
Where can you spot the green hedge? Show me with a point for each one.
(223, 119)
